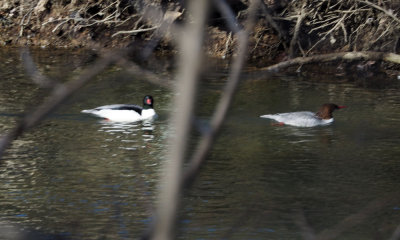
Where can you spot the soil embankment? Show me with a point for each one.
(284, 28)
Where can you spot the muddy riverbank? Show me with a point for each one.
(283, 29)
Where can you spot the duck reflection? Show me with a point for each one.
(300, 135)
(129, 136)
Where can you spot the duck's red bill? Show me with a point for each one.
(342, 107)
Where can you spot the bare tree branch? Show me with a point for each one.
(396, 234)
(135, 31)
(219, 114)
(151, 77)
(387, 12)
(351, 56)
(166, 25)
(357, 218)
(59, 94)
(274, 25)
(33, 72)
(306, 230)
(226, 11)
(337, 25)
(190, 65)
(300, 18)
(173, 182)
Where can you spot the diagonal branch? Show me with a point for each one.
(199, 156)
(227, 12)
(389, 13)
(33, 72)
(59, 94)
(357, 218)
(396, 234)
(151, 77)
(268, 16)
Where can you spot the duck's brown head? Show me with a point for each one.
(325, 112)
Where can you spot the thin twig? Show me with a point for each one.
(381, 35)
(302, 15)
(61, 23)
(199, 156)
(227, 43)
(135, 31)
(23, 24)
(389, 13)
(344, 31)
(329, 32)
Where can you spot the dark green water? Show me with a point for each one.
(80, 178)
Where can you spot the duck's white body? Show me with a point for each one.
(125, 112)
(305, 118)
(116, 114)
(299, 119)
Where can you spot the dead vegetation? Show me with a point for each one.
(306, 27)
(108, 23)
(347, 25)
(284, 29)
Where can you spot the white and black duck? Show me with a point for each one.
(125, 112)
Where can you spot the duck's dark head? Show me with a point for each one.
(325, 112)
(148, 102)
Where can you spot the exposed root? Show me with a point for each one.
(302, 27)
(359, 25)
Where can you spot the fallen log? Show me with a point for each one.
(331, 57)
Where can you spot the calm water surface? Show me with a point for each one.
(76, 177)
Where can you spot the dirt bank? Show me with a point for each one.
(284, 29)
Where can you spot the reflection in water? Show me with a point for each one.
(294, 135)
(128, 133)
(96, 182)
